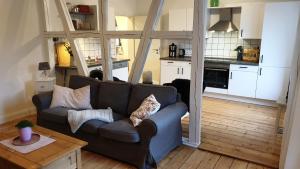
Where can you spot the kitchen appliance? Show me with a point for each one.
(216, 74)
(240, 51)
(172, 50)
(181, 52)
(225, 23)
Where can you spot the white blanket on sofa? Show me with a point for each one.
(77, 118)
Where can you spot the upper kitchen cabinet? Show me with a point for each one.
(279, 34)
(252, 16)
(181, 19)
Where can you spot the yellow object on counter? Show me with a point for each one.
(251, 55)
(64, 57)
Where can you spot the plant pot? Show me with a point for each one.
(25, 134)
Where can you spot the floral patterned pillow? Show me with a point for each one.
(149, 107)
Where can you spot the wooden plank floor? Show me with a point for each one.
(240, 130)
(182, 157)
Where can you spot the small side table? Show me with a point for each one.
(45, 84)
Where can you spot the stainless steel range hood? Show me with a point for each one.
(225, 23)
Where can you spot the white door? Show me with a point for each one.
(252, 16)
(177, 19)
(189, 19)
(279, 34)
(242, 83)
(272, 83)
(153, 58)
(169, 72)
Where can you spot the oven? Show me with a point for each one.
(216, 75)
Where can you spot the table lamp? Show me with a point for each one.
(44, 66)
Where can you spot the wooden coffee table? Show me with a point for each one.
(64, 153)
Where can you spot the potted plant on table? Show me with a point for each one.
(25, 130)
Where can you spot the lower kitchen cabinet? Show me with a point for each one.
(121, 73)
(272, 83)
(242, 83)
(171, 70)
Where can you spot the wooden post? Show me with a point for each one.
(105, 43)
(145, 42)
(68, 27)
(200, 7)
(47, 43)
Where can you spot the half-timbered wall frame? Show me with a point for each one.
(145, 36)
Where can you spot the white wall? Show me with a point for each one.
(21, 50)
(292, 160)
(124, 7)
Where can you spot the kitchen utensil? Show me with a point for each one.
(172, 50)
(239, 50)
(181, 52)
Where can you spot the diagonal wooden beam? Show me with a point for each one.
(145, 42)
(105, 42)
(68, 27)
(199, 25)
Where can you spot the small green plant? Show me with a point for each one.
(23, 124)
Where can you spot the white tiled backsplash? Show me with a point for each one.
(91, 47)
(223, 44)
(219, 44)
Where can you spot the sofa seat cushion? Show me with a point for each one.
(121, 130)
(91, 126)
(55, 115)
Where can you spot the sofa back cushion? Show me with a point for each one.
(77, 82)
(114, 95)
(165, 95)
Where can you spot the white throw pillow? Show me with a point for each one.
(149, 107)
(66, 97)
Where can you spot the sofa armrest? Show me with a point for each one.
(42, 101)
(161, 120)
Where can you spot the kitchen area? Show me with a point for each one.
(247, 65)
(242, 58)
(246, 55)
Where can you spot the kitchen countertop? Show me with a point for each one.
(115, 60)
(212, 60)
(95, 64)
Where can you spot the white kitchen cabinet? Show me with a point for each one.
(251, 24)
(121, 73)
(242, 80)
(186, 70)
(181, 19)
(168, 73)
(272, 83)
(279, 34)
(171, 70)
